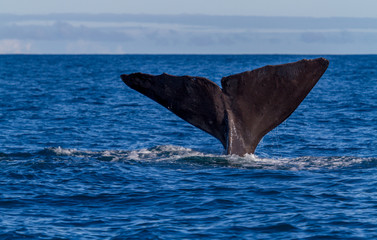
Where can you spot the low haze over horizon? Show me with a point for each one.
(197, 27)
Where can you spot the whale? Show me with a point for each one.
(246, 107)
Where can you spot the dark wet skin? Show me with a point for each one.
(249, 105)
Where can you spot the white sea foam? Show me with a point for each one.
(176, 154)
(59, 151)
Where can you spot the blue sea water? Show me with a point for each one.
(82, 156)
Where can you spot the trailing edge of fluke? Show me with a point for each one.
(249, 105)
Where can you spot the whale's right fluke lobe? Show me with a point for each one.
(250, 104)
(261, 99)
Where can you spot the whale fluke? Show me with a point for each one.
(249, 105)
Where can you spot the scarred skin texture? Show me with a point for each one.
(249, 105)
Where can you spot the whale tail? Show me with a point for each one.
(249, 105)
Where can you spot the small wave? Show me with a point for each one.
(303, 163)
(181, 155)
(58, 151)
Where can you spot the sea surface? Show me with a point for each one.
(82, 156)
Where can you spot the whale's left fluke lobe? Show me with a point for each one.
(250, 104)
(196, 100)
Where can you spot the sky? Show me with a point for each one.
(298, 8)
(189, 26)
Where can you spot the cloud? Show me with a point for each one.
(61, 31)
(82, 46)
(11, 46)
(312, 37)
(127, 33)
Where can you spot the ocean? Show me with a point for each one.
(82, 156)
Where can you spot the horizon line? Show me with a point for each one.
(197, 54)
